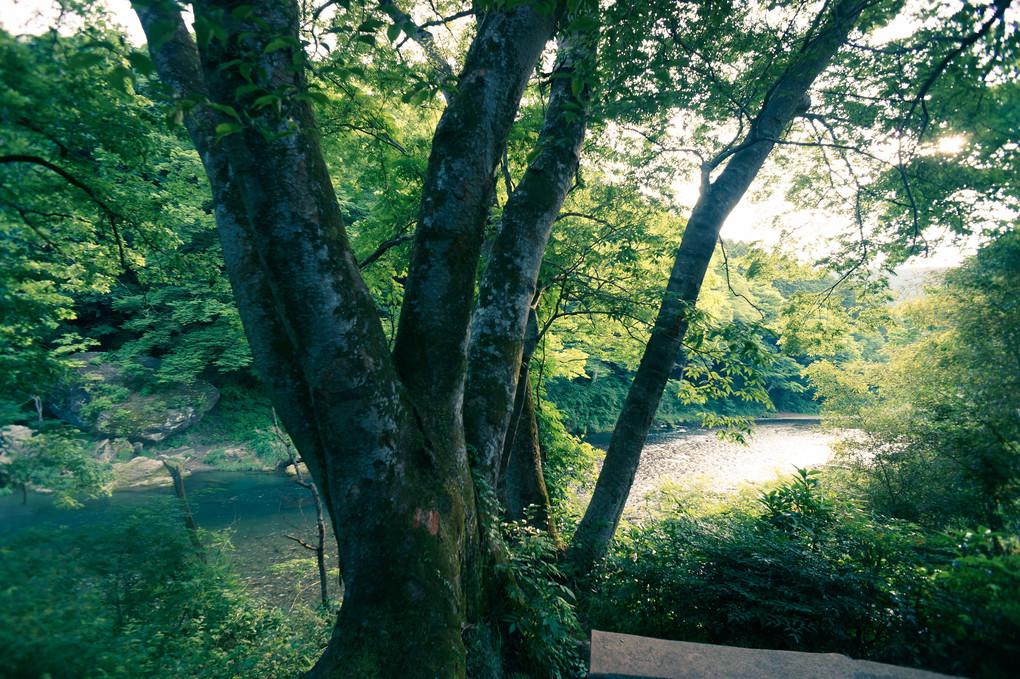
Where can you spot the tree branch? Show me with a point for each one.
(726, 268)
(1000, 10)
(66, 176)
(425, 41)
(381, 250)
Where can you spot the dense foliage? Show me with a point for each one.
(108, 242)
(134, 598)
(937, 417)
(800, 568)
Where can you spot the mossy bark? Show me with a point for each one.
(382, 434)
(507, 288)
(522, 482)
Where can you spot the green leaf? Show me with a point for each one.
(228, 64)
(267, 100)
(219, 32)
(105, 44)
(369, 25)
(583, 24)
(175, 117)
(278, 43)
(203, 30)
(247, 89)
(223, 129)
(223, 108)
(119, 78)
(141, 62)
(393, 32)
(313, 97)
(160, 33)
(242, 12)
(83, 60)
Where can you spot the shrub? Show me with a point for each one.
(136, 600)
(806, 572)
(540, 619)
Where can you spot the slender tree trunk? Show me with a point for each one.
(320, 522)
(175, 469)
(507, 287)
(663, 351)
(523, 490)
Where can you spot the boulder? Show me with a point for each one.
(111, 450)
(13, 437)
(12, 444)
(113, 403)
(140, 472)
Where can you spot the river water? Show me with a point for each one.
(260, 509)
(257, 510)
(695, 454)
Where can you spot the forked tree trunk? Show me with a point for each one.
(663, 351)
(382, 436)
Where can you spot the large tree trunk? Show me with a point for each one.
(382, 435)
(663, 351)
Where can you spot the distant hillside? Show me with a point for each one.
(908, 282)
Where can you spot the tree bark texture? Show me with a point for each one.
(522, 490)
(595, 533)
(382, 434)
(507, 286)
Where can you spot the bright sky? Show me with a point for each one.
(36, 16)
(771, 220)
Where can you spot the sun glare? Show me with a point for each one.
(951, 145)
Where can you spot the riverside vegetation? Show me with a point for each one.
(433, 346)
(820, 561)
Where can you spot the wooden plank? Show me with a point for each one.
(624, 656)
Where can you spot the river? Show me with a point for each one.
(259, 509)
(256, 509)
(775, 448)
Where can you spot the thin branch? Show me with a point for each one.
(381, 250)
(665, 148)
(323, 8)
(913, 210)
(507, 179)
(424, 40)
(582, 215)
(726, 268)
(446, 20)
(111, 214)
(39, 232)
(825, 145)
(1000, 10)
(67, 176)
(384, 137)
(302, 543)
